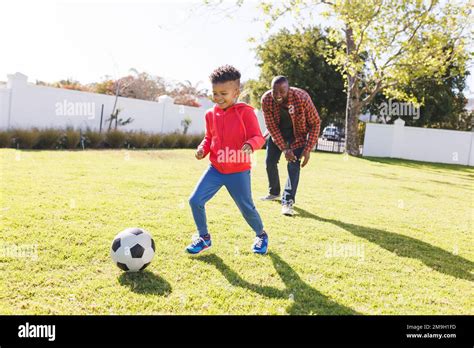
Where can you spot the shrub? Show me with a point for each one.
(48, 138)
(182, 141)
(169, 141)
(71, 138)
(115, 139)
(5, 139)
(361, 132)
(93, 139)
(154, 140)
(195, 140)
(137, 140)
(25, 139)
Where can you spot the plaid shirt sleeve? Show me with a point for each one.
(271, 122)
(313, 122)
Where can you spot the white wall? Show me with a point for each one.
(4, 104)
(420, 144)
(24, 106)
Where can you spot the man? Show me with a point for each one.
(293, 123)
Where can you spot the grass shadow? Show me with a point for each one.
(418, 191)
(434, 257)
(145, 282)
(467, 186)
(432, 166)
(306, 299)
(236, 280)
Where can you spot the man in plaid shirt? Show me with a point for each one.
(293, 123)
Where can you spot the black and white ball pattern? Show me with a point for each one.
(132, 249)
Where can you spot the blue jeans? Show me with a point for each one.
(238, 185)
(271, 161)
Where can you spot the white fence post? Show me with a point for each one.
(397, 139)
(15, 83)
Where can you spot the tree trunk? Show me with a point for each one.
(352, 132)
(352, 102)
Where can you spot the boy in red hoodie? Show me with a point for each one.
(232, 134)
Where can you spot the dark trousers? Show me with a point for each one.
(272, 159)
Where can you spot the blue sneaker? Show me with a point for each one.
(260, 245)
(198, 244)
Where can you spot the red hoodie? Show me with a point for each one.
(226, 132)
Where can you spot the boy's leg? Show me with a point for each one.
(238, 185)
(272, 158)
(289, 193)
(210, 182)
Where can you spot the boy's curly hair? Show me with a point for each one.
(224, 73)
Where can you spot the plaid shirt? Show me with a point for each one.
(304, 116)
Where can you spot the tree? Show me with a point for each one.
(300, 57)
(381, 45)
(69, 83)
(185, 123)
(185, 93)
(141, 85)
(147, 87)
(104, 87)
(443, 103)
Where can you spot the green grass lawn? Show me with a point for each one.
(371, 236)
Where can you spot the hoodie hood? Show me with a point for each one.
(237, 106)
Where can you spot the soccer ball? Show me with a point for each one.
(132, 249)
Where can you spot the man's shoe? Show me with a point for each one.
(199, 244)
(270, 198)
(260, 244)
(287, 209)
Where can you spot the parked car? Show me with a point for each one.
(331, 133)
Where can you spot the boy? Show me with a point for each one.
(232, 134)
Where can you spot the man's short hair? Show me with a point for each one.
(279, 79)
(225, 73)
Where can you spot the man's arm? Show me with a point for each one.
(314, 123)
(271, 124)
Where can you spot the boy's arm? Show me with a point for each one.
(254, 134)
(205, 144)
(314, 124)
(270, 122)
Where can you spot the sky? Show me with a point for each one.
(87, 40)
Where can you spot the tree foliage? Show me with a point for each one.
(382, 46)
(300, 57)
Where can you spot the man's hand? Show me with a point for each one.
(290, 156)
(247, 149)
(306, 156)
(199, 154)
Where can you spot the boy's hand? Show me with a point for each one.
(199, 154)
(247, 149)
